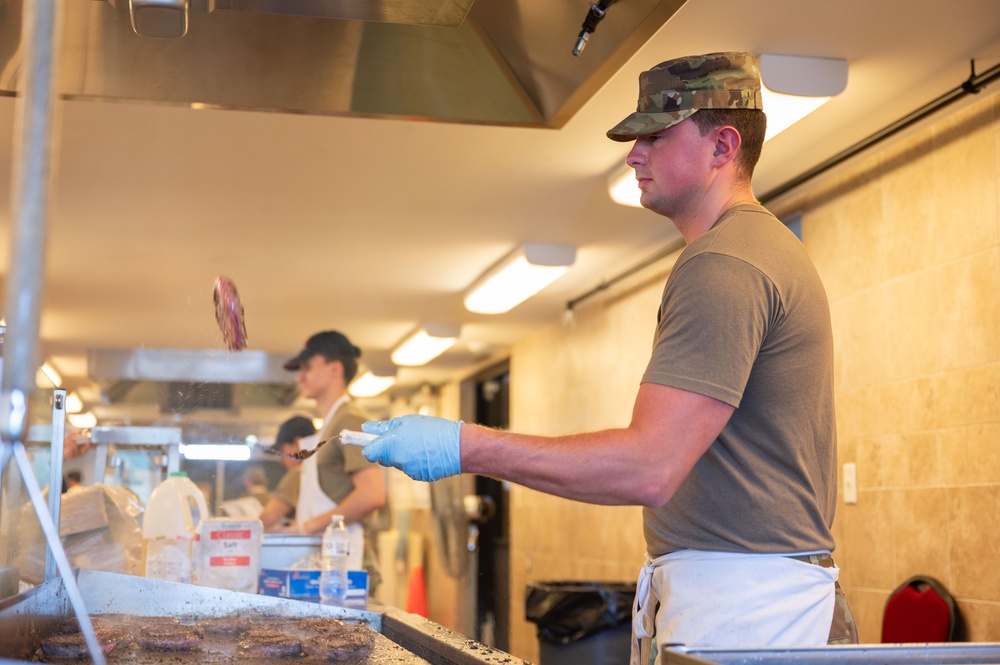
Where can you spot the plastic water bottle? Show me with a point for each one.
(336, 549)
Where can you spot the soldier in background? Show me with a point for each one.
(255, 484)
(280, 508)
(337, 479)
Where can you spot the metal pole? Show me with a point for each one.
(56, 470)
(34, 143)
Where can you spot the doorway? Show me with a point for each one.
(493, 543)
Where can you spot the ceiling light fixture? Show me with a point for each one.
(48, 374)
(374, 381)
(623, 187)
(425, 344)
(73, 403)
(792, 87)
(82, 420)
(518, 276)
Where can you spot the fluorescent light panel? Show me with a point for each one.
(371, 383)
(425, 344)
(793, 86)
(47, 375)
(518, 276)
(624, 189)
(215, 451)
(783, 110)
(82, 420)
(73, 403)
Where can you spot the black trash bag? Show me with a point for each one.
(570, 611)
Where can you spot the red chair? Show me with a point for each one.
(920, 610)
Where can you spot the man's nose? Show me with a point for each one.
(635, 156)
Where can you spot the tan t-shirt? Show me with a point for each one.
(745, 320)
(336, 462)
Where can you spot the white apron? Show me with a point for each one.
(313, 500)
(722, 599)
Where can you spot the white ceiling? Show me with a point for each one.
(370, 226)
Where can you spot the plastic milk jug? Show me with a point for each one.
(169, 525)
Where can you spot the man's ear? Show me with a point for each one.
(336, 366)
(727, 143)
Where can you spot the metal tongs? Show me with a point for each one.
(346, 436)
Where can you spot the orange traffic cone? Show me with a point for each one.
(416, 596)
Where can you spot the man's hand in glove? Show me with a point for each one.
(423, 447)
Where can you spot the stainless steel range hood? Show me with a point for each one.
(490, 61)
(213, 396)
(169, 18)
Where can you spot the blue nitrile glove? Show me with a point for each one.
(422, 447)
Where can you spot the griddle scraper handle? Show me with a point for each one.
(352, 438)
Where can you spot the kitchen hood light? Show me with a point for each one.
(792, 88)
(425, 344)
(518, 276)
(215, 451)
(47, 374)
(372, 382)
(82, 420)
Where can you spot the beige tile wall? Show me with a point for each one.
(908, 243)
(907, 239)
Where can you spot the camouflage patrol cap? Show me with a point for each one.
(673, 90)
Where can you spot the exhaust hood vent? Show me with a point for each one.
(185, 397)
(505, 62)
(181, 381)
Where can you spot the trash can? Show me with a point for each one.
(581, 623)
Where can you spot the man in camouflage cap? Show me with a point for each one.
(731, 448)
(763, 489)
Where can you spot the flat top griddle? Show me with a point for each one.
(402, 638)
(222, 649)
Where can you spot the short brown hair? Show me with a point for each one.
(750, 123)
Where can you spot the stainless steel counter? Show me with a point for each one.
(859, 654)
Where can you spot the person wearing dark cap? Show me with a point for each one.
(731, 448)
(337, 479)
(281, 504)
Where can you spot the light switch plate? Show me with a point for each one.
(850, 483)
